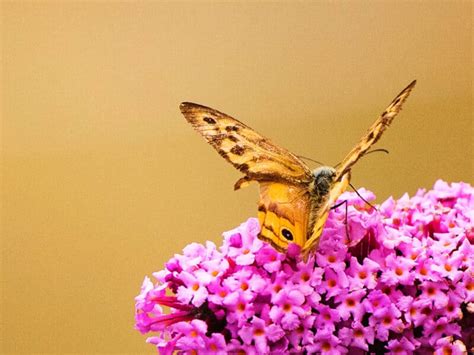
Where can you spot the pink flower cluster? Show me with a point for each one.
(399, 279)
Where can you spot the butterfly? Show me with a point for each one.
(294, 200)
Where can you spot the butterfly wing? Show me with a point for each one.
(254, 155)
(374, 132)
(342, 178)
(284, 204)
(283, 213)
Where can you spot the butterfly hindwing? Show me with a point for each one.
(251, 153)
(283, 214)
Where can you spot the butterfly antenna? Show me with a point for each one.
(382, 150)
(309, 159)
(377, 151)
(363, 199)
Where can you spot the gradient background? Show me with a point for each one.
(103, 180)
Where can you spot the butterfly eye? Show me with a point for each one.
(287, 234)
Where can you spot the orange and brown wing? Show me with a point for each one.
(342, 178)
(283, 213)
(374, 132)
(251, 153)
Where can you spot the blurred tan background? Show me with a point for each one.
(103, 180)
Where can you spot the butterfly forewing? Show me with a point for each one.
(251, 153)
(374, 132)
(342, 178)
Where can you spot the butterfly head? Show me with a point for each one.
(323, 178)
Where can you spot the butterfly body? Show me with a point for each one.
(294, 200)
(323, 179)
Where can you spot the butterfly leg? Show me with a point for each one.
(345, 203)
(363, 199)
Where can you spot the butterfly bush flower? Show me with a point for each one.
(399, 280)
